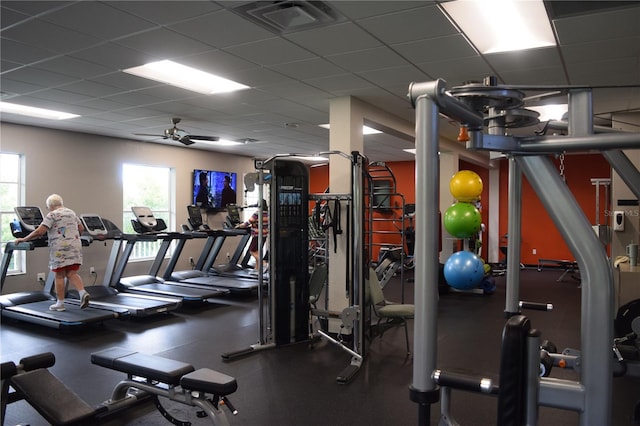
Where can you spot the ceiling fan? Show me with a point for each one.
(176, 134)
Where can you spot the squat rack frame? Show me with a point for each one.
(591, 396)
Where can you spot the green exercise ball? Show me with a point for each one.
(462, 220)
(466, 186)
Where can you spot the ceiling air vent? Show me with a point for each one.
(287, 16)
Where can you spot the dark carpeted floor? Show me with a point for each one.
(295, 384)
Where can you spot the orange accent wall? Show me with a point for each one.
(318, 179)
(538, 230)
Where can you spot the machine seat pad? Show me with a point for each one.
(58, 404)
(151, 367)
(209, 381)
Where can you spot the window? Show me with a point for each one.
(152, 187)
(11, 195)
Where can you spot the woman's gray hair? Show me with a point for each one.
(54, 200)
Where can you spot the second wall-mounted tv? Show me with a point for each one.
(213, 190)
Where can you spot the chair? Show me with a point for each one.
(393, 314)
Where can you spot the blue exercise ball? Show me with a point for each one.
(464, 270)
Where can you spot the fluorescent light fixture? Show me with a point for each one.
(366, 130)
(502, 25)
(219, 142)
(550, 112)
(50, 114)
(186, 77)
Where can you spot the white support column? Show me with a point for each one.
(493, 252)
(345, 135)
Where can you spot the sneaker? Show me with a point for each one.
(57, 307)
(84, 300)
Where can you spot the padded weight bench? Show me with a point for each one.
(203, 388)
(52, 399)
(570, 266)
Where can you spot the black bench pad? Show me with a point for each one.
(58, 404)
(152, 367)
(209, 381)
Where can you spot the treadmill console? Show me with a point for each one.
(195, 219)
(30, 217)
(145, 221)
(233, 215)
(94, 225)
(27, 220)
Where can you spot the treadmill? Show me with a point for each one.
(149, 228)
(215, 239)
(104, 295)
(33, 306)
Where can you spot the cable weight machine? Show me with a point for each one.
(284, 318)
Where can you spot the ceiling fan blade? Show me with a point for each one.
(151, 134)
(204, 138)
(185, 140)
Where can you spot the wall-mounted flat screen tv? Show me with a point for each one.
(213, 190)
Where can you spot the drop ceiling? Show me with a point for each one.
(69, 56)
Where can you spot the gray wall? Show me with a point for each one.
(620, 191)
(86, 171)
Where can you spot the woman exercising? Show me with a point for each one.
(63, 229)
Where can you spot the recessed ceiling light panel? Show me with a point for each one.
(502, 25)
(11, 108)
(176, 74)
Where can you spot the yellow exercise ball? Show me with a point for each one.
(466, 186)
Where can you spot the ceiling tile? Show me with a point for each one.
(115, 56)
(163, 43)
(369, 59)
(43, 77)
(393, 76)
(217, 62)
(72, 67)
(45, 35)
(128, 82)
(546, 57)
(338, 85)
(308, 68)
(98, 19)
(409, 25)
(538, 76)
(458, 71)
(221, 29)
(436, 49)
(363, 9)
(166, 12)
(10, 17)
(334, 39)
(610, 72)
(602, 26)
(603, 49)
(271, 51)
(34, 8)
(61, 95)
(23, 54)
(15, 87)
(6, 66)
